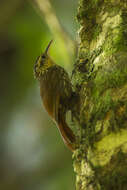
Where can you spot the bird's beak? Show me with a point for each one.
(47, 49)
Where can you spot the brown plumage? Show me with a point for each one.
(56, 92)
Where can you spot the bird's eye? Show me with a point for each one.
(43, 56)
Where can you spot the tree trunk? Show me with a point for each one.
(100, 78)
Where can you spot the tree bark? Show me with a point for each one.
(100, 79)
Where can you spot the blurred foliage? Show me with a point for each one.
(33, 155)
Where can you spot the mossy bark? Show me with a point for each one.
(100, 79)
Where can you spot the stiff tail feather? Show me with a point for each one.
(66, 133)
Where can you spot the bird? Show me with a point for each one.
(56, 93)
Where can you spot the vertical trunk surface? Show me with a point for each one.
(100, 78)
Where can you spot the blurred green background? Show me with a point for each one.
(32, 153)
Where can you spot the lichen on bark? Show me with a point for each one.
(100, 78)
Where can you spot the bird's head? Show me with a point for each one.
(43, 62)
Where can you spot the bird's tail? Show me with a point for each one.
(66, 133)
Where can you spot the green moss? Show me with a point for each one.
(115, 43)
(102, 105)
(95, 2)
(117, 35)
(111, 76)
(114, 180)
(96, 31)
(86, 17)
(112, 10)
(114, 174)
(106, 147)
